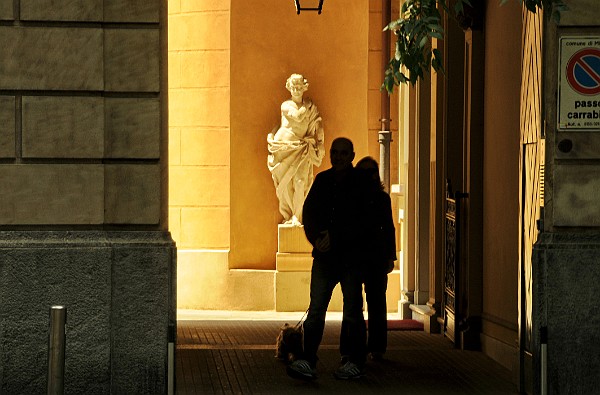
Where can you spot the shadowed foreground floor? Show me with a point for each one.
(237, 357)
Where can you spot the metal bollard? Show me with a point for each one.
(56, 350)
(544, 360)
(172, 330)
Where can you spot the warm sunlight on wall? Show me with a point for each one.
(228, 63)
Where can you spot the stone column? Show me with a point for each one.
(83, 200)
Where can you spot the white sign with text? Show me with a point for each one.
(579, 83)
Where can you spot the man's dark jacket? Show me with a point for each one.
(336, 203)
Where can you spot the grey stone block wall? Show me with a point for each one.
(6, 10)
(62, 127)
(131, 60)
(571, 174)
(51, 58)
(129, 122)
(125, 187)
(565, 261)
(7, 127)
(61, 10)
(118, 291)
(84, 127)
(566, 271)
(82, 198)
(575, 193)
(81, 94)
(57, 194)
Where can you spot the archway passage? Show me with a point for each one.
(225, 96)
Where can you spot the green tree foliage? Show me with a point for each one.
(421, 21)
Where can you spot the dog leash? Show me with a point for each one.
(301, 319)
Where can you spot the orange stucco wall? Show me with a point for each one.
(268, 43)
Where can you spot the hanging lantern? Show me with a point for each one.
(300, 8)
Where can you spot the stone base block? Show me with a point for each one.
(205, 282)
(294, 262)
(292, 239)
(292, 292)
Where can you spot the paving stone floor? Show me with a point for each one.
(237, 357)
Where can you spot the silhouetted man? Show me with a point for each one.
(333, 224)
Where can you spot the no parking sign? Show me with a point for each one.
(579, 83)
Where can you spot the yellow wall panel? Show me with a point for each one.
(205, 146)
(174, 146)
(204, 5)
(205, 68)
(194, 186)
(199, 107)
(205, 227)
(174, 70)
(199, 31)
(175, 224)
(174, 6)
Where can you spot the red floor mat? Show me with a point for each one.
(405, 325)
(402, 325)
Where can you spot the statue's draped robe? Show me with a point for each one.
(291, 160)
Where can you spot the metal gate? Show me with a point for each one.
(452, 252)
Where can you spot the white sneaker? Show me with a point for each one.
(301, 369)
(349, 370)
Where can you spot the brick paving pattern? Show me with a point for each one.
(237, 357)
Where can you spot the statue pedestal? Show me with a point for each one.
(292, 277)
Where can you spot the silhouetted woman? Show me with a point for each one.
(378, 259)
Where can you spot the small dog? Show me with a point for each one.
(289, 344)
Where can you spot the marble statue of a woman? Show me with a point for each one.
(294, 149)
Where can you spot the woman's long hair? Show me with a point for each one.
(371, 167)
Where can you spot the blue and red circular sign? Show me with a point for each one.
(583, 71)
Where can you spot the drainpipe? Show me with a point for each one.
(385, 136)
